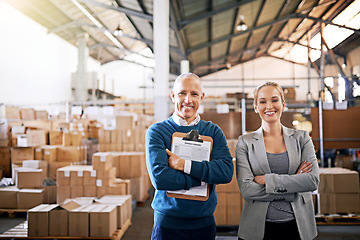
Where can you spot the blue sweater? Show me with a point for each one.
(182, 213)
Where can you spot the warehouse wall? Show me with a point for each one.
(36, 67)
(259, 71)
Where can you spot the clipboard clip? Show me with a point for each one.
(193, 135)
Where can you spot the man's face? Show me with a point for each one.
(187, 97)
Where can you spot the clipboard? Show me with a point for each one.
(192, 136)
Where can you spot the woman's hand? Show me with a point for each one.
(260, 179)
(304, 167)
(175, 161)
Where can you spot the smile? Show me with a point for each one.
(270, 113)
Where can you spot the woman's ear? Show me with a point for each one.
(256, 109)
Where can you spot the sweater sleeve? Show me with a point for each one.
(161, 175)
(220, 168)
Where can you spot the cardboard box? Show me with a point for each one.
(38, 154)
(50, 194)
(5, 162)
(338, 180)
(54, 166)
(130, 164)
(19, 154)
(37, 164)
(107, 176)
(221, 210)
(233, 208)
(77, 176)
(90, 177)
(63, 176)
(76, 191)
(231, 187)
(63, 193)
(49, 153)
(228, 209)
(102, 161)
(79, 221)
(56, 137)
(139, 188)
(339, 203)
(68, 154)
(128, 136)
(90, 191)
(12, 112)
(35, 138)
(105, 136)
(59, 217)
(38, 220)
(119, 187)
(41, 115)
(27, 113)
(103, 220)
(29, 178)
(123, 207)
(29, 198)
(8, 197)
(124, 122)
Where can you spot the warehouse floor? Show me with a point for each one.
(142, 221)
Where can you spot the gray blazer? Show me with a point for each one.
(251, 161)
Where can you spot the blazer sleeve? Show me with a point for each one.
(245, 177)
(296, 183)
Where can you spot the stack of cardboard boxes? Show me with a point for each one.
(338, 191)
(29, 190)
(90, 181)
(96, 220)
(229, 204)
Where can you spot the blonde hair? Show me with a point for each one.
(274, 84)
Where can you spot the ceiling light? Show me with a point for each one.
(118, 31)
(242, 25)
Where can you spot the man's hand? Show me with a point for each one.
(260, 179)
(305, 167)
(175, 161)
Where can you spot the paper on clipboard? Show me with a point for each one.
(195, 151)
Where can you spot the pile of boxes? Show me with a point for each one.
(230, 202)
(99, 219)
(338, 191)
(29, 190)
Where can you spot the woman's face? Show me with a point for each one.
(269, 104)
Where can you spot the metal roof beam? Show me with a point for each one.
(209, 14)
(120, 9)
(294, 15)
(249, 30)
(175, 25)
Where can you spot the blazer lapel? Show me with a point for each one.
(260, 152)
(291, 147)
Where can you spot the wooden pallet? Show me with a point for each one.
(20, 232)
(337, 219)
(12, 212)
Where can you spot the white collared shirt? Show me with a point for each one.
(182, 122)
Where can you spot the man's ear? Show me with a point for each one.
(202, 97)
(172, 96)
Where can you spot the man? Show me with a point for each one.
(176, 218)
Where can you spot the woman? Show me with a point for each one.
(276, 169)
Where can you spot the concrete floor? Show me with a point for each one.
(142, 222)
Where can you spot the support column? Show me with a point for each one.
(81, 91)
(322, 86)
(184, 66)
(161, 49)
